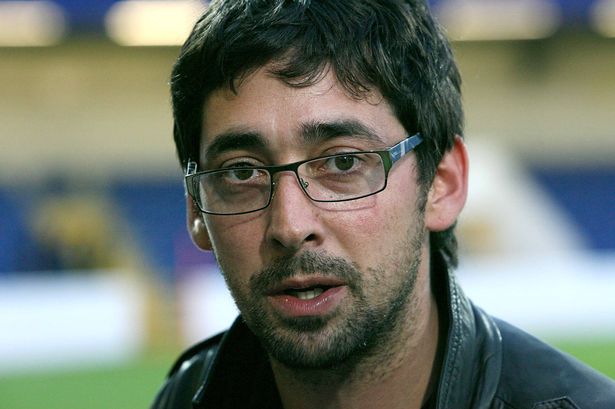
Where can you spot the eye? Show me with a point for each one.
(239, 170)
(344, 163)
(241, 174)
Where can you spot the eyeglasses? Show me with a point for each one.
(332, 178)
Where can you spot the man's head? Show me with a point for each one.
(260, 88)
(394, 47)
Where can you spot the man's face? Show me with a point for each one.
(318, 283)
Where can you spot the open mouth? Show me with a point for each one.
(308, 296)
(307, 293)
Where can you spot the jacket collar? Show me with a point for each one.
(471, 366)
(241, 376)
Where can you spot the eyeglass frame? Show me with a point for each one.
(388, 156)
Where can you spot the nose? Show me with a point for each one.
(293, 221)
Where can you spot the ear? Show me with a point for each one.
(196, 225)
(449, 188)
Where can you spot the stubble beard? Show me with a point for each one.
(351, 333)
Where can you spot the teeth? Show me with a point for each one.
(307, 294)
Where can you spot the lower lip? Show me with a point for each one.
(321, 305)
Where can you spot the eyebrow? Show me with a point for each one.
(311, 132)
(315, 132)
(234, 139)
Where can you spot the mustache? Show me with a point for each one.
(308, 262)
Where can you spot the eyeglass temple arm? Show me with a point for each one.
(405, 146)
(190, 167)
(190, 170)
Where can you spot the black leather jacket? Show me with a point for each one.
(486, 364)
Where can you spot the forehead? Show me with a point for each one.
(278, 112)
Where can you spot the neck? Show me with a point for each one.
(398, 375)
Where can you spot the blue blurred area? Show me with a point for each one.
(155, 211)
(587, 195)
(86, 16)
(575, 11)
(20, 247)
(148, 217)
(15, 240)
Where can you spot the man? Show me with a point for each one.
(325, 169)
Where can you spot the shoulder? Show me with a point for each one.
(537, 376)
(187, 374)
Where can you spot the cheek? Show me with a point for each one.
(380, 226)
(367, 232)
(236, 245)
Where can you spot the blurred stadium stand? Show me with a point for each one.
(587, 195)
(15, 240)
(156, 211)
(146, 206)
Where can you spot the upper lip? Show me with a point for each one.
(299, 283)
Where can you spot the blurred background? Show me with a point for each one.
(100, 286)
